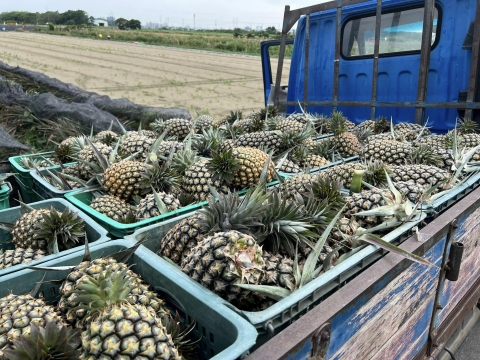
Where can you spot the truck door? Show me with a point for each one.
(269, 51)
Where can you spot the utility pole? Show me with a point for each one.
(215, 24)
(193, 22)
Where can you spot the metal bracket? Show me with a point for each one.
(320, 342)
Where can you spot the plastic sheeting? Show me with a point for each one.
(123, 108)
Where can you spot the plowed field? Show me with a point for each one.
(208, 82)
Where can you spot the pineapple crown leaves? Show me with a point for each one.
(181, 335)
(109, 288)
(223, 165)
(380, 125)
(285, 224)
(231, 212)
(290, 139)
(324, 188)
(61, 225)
(162, 208)
(378, 241)
(51, 342)
(182, 160)
(161, 178)
(338, 123)
(424, 154)
(467, 126)
(210, 139)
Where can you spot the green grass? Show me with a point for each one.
(188, 40)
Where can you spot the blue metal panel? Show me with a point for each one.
(398, 75)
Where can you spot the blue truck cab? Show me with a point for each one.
(399, 62)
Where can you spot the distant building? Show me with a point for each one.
(111, 21)
(248, 28)
(101, 22)
(259, 28)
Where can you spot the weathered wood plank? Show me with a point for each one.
(411, 337)
(468, 233)
(371, 326)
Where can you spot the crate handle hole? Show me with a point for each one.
(212, 338)
(204, 332)
(52, 291)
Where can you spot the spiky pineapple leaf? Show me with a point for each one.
(379, 242)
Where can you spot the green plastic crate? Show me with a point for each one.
(24, 179)
(82, 199)
(5, 191)
(278, 316)
(43, 188)
(224, 334)
(95, 233)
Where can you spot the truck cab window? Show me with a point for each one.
(400, 32)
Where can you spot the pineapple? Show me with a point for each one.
(107, 137)
(290, 125)
(196, 179)
(420, 174)
(343, 173)
(345, 143)
(203, 122)
(113, 207)
(51, 341)
(410, 131)
(165, 148)
(363, 201)
(297, 184)
(18, 312)
(299, 117)
(468, 140)
(127, 179)
(138, 294)
(307, 159)
(148, 208)
(138, 145)
(432, 141)
(388, 151)
(289, 166)
(87, 154)
(241, 167)
(269, 139)
(47, 229)
(178, 128)
(380, 137)
(140, 132)
(179, 240)
(223, 259)
(19, 255)
(411, 190)
(115, 328)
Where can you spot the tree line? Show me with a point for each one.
(70, 17)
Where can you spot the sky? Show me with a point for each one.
(208, 14)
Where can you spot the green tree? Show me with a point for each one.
(271, 30)
(121, 23)
(134, 24)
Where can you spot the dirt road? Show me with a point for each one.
(210, 83)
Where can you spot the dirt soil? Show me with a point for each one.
(211, 83)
